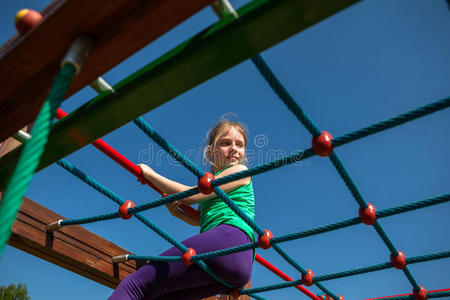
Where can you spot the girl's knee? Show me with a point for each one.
(239, 282)
(137, 285)
(240, 278)
(126, 290)
(239, 272)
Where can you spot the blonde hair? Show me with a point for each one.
(222, 126)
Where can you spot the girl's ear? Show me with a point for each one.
(209, 152)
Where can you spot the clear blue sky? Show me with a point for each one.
(374, 60)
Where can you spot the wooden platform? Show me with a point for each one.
(73, 247)
(119, 28)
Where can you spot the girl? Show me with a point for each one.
(220, 228)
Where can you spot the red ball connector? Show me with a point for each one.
(204, 183)
(322, 144)
(123, 210)
(264, 240)
(399, 261)
(326, 297)
(307, 279)
(420, 294)
(368, 215)
(186, 258)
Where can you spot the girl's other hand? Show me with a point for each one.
(174, 209)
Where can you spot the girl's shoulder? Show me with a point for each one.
(231, 170)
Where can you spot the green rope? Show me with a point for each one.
(31, 154)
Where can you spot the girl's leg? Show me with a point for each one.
(153, 280)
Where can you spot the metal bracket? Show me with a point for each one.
(77, 53)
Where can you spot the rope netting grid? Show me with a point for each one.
(309, 124)
(271, 165)
(274, 164)
(257, 170)
(293, 106)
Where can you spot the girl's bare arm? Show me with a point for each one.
(170, 187)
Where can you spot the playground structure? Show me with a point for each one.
(80, 129)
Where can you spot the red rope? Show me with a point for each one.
(428, 292)
(278, 272)
(127, 164)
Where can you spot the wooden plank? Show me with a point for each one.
(119, 29)
(262, 24)
(73, 247)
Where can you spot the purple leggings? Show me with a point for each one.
(174, 280)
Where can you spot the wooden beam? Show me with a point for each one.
(119, 29)
(73, 247)
(261, 24)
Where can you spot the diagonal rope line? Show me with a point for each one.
(284, 95)
(363, 204)
(171, 150)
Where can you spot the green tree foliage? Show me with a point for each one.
(13, 292)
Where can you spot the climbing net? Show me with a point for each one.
(323, 144)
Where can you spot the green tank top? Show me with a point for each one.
(214, 211)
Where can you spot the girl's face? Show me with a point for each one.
(229, 149)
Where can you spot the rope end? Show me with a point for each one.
(54, 226)
(120, 258)
(77, 53)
